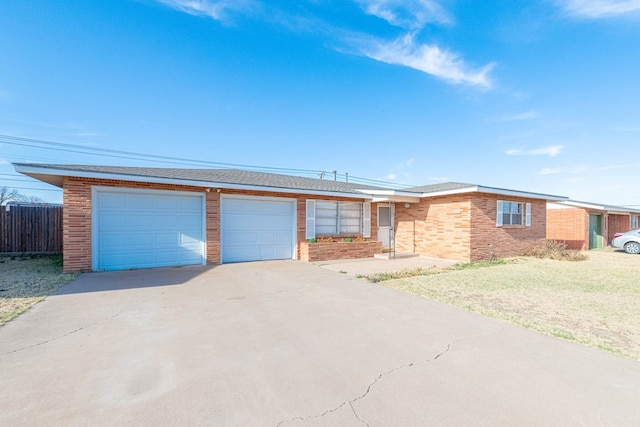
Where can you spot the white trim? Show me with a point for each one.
(527, 219)
(598, 206)
(392, 196)
(95, 189)
(496, 191)
(294, 215)
(499, 208)
(366, 220)
(310, 219)
(54, 177)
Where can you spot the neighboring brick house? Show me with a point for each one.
(584, 225)
(131, 217)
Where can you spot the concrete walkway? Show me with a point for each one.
(291, 344)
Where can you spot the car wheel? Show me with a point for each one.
(632, 248)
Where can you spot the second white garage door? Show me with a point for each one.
(257, 228)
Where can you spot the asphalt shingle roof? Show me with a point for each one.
(444, 186)
(225, 176)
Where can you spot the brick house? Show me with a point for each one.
(584, 225)
(130, 217)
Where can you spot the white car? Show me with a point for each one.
(629, 241)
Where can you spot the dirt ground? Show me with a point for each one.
(26, 280)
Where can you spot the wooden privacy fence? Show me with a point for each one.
(35, 229)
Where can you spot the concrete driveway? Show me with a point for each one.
(291, 344)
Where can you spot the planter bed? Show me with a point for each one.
(326, 251)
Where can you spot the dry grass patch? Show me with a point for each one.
(550, 249)
(24, 281)
(594, 302)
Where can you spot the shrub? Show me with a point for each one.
(551, 249)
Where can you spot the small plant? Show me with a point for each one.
(477, 264)
(402, 274)
(312, 240)
(551, 249)
(348, 239)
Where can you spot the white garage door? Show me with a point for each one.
(256, 229)
(146, 228)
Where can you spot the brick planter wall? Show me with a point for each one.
(310, 252)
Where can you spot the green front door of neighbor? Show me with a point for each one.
(595, 231)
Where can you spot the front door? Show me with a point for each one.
(595, 231)
(384, 226)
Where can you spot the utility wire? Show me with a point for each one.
(104, 152)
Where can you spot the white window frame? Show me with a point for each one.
(525, 212)
(633, 222)
(364, 225)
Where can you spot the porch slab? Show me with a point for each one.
(365, 267)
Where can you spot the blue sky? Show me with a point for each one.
(540, 95)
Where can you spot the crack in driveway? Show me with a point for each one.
(58, 337)
(368, 390)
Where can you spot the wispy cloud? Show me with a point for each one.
(614, 167)
(525, 115)
(215, 9)
(429, 59)
(566, 170)
(410, 15)
(552, 150)
(407, 14)
(595, 9)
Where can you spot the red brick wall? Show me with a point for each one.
(438, 227)
(319, 251)
(77, 216)
(463, 227)
(488, 240)
(618, 223)
(570, 226)
(76, 225)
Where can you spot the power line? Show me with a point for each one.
(37, 189)
(129, 155)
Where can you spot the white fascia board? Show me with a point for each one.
(54, 176)
(450, 192)
(584, 205)
(496, 191)
(523, 194)
(598, 207)
(392, 196)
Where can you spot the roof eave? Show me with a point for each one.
(55, 177)
(392, 196)
(496, 191)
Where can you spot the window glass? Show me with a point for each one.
(512, 213)
(338, 217)
(384, 216)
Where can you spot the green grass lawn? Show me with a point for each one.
(594, 302)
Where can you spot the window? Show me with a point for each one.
(338, 217)
(328, 218)
(634, 222)
(513, 213)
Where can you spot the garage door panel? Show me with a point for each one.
(138, 202)
(171, 220)
(257, 229)
(190, 221)
(148, 229)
